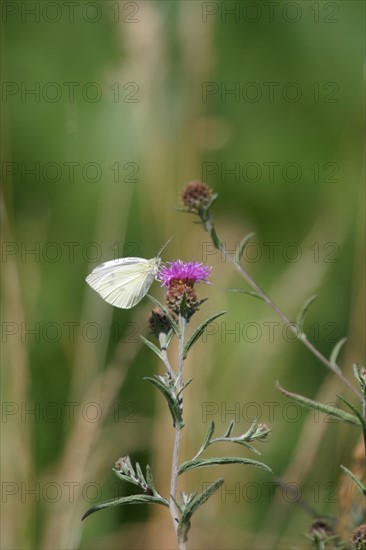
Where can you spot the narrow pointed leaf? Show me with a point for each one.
(327, 409)
(152, 346)
(215, 239)
(201, 462)
(241, 247)
(247, 292)
(168, 338)
(336, 351)
(303, 311)
(212, 201)
(192, 507)
(133, 499)
(173, 404)
(140, 475)
(248, 446)
(125, 477)
(204, 496)
(184, 386)
(359, 484)
(199, 331)
(176, 503)
(173, 324)
(150, 479)
(229, 430)
(208, 437)
(353, 408)
(238, 441)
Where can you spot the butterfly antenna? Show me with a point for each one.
(165, 245)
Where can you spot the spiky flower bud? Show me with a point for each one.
(358, 539)
(320, 530)
(158, 322)
(182, 299)
(261, 432)
(180, 277)
(360, 373)
(196, 195)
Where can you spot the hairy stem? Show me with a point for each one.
(166, 362)
(174, 512)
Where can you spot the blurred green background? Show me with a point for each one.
(109, 109)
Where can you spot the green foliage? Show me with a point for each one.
(168, 137)
(202, 462)
(330, 410)
(199, 331)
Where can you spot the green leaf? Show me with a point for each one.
(215, 239)
(212, 201)
(303, 311)
(152, 346)
(185, 521)
(208, 437)
(248, 292)
(229, 430)
(173, 324)
(336, 351)
(241, 247)
(176, 503)
(359, 484)
(247, 445)
(173, 403)
(204, 496)
(327, 409)
(199, 331)
(140, 475)
(353, 408)
(184, 386)
(121, 474)
(168, 339)
(133, 499)
(200, 462)
(150, 479)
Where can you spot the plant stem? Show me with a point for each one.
(166, 362)
(209, 227)
(364, 428)
(174, 512)
(183, 324)
(292, 327)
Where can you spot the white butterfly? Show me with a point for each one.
(124, 282)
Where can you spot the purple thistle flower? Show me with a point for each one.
(187, 272)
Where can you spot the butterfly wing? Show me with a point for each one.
(123, 283)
